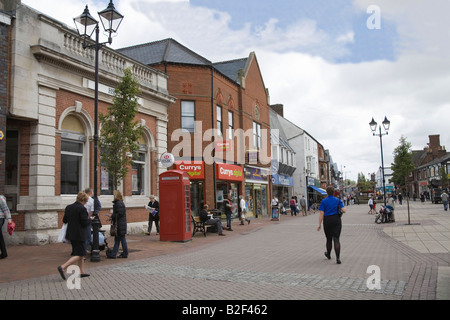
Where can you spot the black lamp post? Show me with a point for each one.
(373, 127)
(86, 25)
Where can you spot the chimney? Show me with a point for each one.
(10, 5)
(278, 108)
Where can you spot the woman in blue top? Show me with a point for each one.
(332, 224)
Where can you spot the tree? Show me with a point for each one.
(403, 165)
(119, 132)
(364, 184)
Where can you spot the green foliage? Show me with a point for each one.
(403, 165)
(120, 132)
(364, 184)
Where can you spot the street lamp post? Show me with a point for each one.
(373, 126)
(86, 25)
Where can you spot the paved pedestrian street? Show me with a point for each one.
(279, 260)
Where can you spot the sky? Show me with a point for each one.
(333, 64)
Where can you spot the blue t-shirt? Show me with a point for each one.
(329, 205)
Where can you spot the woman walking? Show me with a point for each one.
(332, 224)
(77, 219)
(119, 216)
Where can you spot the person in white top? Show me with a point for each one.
(90, 209)
(243, 209)
(370, 203)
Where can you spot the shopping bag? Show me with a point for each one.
(11, 227)
(62, 233)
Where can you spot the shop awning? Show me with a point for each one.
(320, 190)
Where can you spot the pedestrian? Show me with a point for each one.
(119, 216)
(243, 210)
(204, 217)
(370, 203)
(293, 206)
(285, 206)
(332, 224)
(153, 216)
(227, 209)
(90, 209)
(77, 219)
(5, 214)
(422, 197)
(400, 199)
(444, 197)
(303, 205)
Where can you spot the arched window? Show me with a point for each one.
(73, 159)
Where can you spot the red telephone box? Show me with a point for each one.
(175, 206)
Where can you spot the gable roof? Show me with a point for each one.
(167, 50)
(232, 69)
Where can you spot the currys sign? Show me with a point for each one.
(229, 172)
(195, 169)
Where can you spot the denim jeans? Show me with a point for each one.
(445, 205)
(2, 241)
(117, 241)
(228, 215)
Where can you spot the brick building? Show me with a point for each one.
(219, 126)
(50, 126)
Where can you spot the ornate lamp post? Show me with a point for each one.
(373, 126)
(86, 25)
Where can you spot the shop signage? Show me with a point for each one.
(257, 174)
(282, 180)
(223, 145)
(194, 169)
(229, 172)
(167, 159)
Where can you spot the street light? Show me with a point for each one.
(86, 25)
(373, 126)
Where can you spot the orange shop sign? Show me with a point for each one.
(229, 172)
(194, 169)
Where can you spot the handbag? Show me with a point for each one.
(113, 229)
(11, 227)
(339, 209)
(62, 233)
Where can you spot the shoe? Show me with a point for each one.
(157, 233)
(248, 221)
(61, 272)
(338, 261)
(84, 275)
(147, 233)
(3, 256)
(230, 229)
(327, 255)
(110, 257)
(221, 234)
(122, 257)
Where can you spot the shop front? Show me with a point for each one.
(229, 180)
(315, 193)
(282, 186)
(256, 191)
(196, 173)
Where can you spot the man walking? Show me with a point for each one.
(444, 197)
(243, 209)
